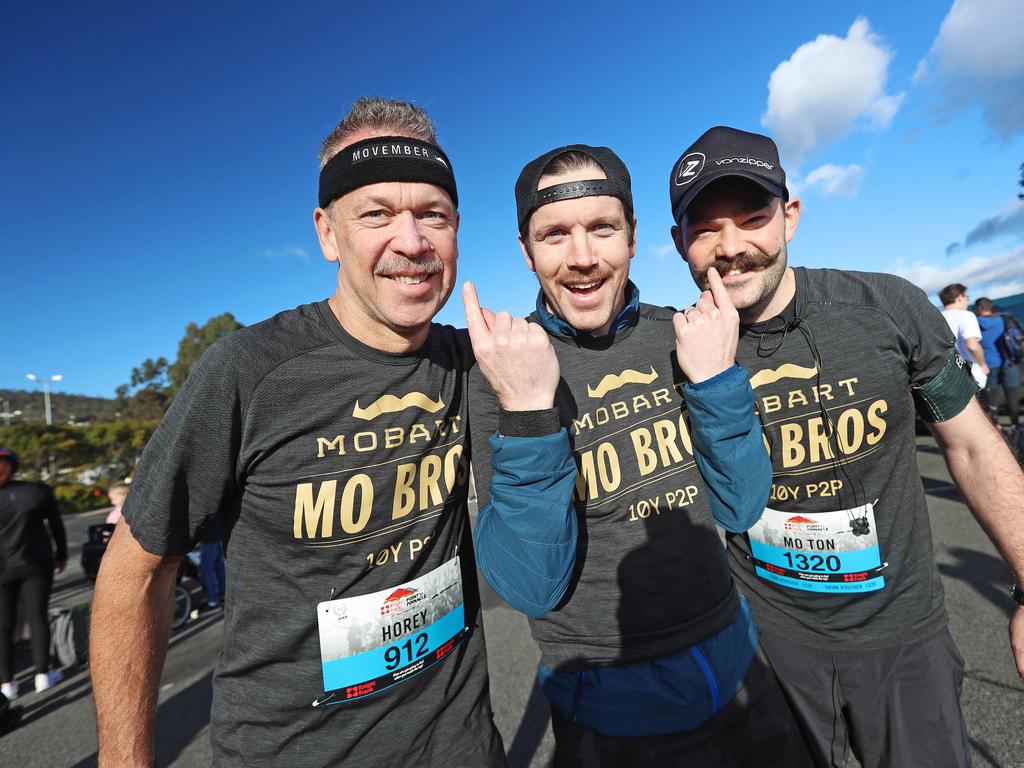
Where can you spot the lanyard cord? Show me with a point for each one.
(781, 327)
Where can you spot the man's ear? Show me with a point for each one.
(325, 234)
(677, 238)
(632, 246)
(526, 255)
(792, 215)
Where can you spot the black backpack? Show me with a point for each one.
(1011, 343)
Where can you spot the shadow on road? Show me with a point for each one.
(531, 731)
(987, 574)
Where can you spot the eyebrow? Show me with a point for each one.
(741, 208)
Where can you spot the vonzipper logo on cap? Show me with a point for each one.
(689, 168)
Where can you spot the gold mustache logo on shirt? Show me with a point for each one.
(785, 371)
(612, 381)
(392, 404)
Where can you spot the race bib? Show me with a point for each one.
(372, 642)
(819, 551)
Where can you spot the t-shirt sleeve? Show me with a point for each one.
(940, 381)
(925, 332)
(971, 329)
(188, 472)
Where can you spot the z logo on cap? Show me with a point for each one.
(689, 168)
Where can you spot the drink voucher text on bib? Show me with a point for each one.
(819, 551)
(371, 642)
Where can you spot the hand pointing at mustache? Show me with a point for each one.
(707, 333)
(515, 356)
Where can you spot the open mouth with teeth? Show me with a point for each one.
(584, 289)
(409, 279)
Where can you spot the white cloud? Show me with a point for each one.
(287, 252)
(662, 251)
(1009, 221)
(828, 88)
(978, 58)
(993, 276)
(836, 181)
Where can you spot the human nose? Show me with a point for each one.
(730, 243)
(408, 238)
(581, 254)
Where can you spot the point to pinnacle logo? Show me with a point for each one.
(801, 523)
(689, 168)
(399, 600)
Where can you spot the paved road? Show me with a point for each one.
(59, 728)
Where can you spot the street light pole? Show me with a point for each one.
(46, 392)
(8, 414)
(49, 415)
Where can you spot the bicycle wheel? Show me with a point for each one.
(182, 606)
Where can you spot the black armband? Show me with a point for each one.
(528, 423)
(948, 392)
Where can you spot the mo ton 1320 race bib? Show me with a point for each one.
(819, 551)
(369, 643)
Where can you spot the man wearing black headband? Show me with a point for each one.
(330, 443)
(839, 570)
(648, 653)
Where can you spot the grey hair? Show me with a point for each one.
(385, 117)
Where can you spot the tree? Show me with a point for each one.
(196, 341)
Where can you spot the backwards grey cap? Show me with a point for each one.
(529, 198)
(722, 152)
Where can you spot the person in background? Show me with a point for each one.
(1003, 372)
(29, 563)
(964, 326)
(117, 494)
(211, 564)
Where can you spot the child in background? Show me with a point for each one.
(117, 494)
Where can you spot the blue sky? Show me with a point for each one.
(159, 165)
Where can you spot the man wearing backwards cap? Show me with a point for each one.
(330, 443)
(839, 570)
(648, 653)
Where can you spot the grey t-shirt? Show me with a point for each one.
(651, 575)
(842, 557)
(337, 471)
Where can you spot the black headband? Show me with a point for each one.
(386, 158)
(529, 198)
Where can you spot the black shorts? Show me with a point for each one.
(894, 707)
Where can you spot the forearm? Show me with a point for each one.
(974, 347)
(131, 617)
(526, 531)
(729, 448)
(992, 484)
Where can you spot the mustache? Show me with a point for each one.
(746, 261)
(429, 264)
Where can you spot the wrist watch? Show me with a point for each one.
(1017, 594)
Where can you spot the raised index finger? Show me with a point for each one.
(718, 290)
(475, 321)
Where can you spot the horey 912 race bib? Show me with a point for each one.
(369, 643)
(819, 551)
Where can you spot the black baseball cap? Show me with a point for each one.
(617, 184)
(720, 152)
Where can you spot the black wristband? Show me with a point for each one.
(528, 423)
(1017, 594)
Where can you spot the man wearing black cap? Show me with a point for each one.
(599, 494)
(330, 444)
(839, 570)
